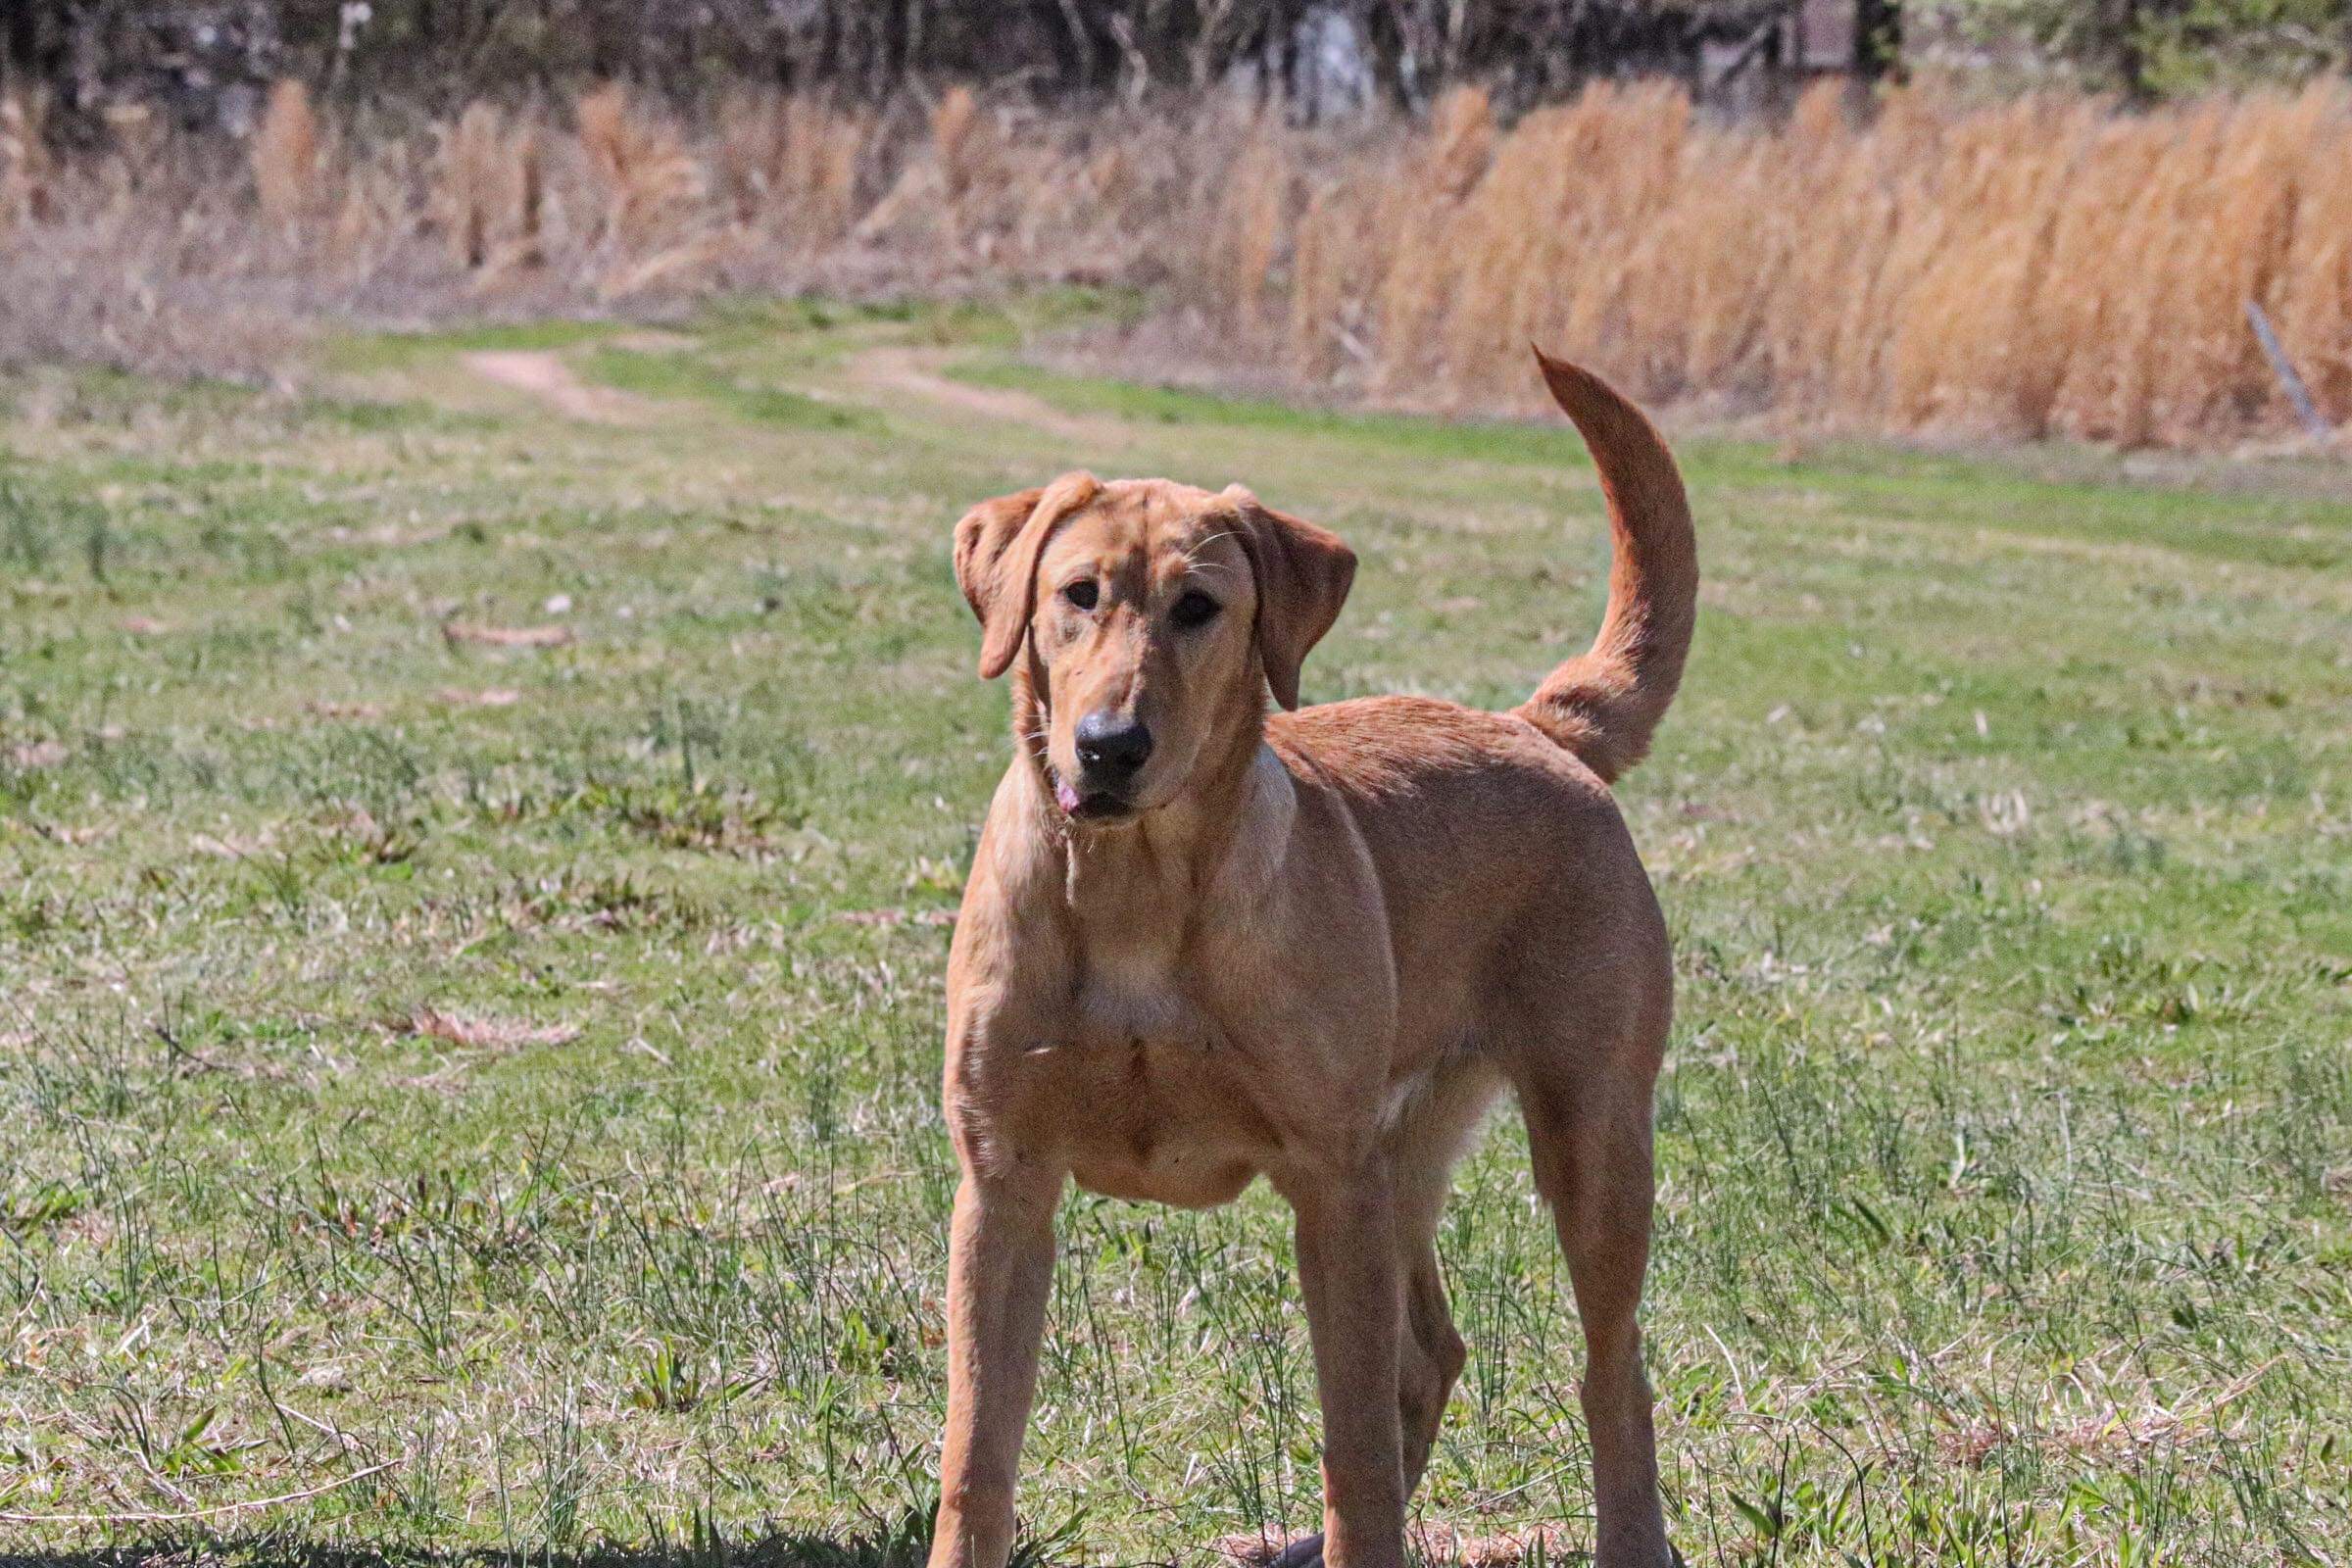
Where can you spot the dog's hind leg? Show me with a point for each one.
(1588, 1128)
(1430, 1359)
(1430, 1135)
(1429, 1138)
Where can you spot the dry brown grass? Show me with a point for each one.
(2033, 267)
(1250, 212)
(481, 1033)
(489, 191)
(789, 168)
(285, 157)
(2030, 268)
(24, 160)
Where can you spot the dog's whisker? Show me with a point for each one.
(1191, 555)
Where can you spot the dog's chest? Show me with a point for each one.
(1159, 1103)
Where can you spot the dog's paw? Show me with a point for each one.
(1304, 1552)
(1664, 1554)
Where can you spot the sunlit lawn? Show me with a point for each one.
(491, 1085)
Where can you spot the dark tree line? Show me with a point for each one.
(1406, 50)
(204, 54)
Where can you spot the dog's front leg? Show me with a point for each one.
(1000, 1273)
(1348, 1272)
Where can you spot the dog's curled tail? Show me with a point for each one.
(1603, 704)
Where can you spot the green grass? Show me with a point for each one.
(668, 374)
(517, 1069)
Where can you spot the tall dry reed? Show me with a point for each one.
(24, 160)
(2040, 266)
(489, 191)
(789, 168)
(286, 154)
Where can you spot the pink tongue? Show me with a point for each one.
(1065, 797)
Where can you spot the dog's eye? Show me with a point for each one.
(1083, 593)
(1194, 608)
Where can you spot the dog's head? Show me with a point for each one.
(1156, 617)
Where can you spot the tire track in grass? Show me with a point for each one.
(544, 376)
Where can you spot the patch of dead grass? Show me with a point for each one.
(459, 631)
(479, 1031)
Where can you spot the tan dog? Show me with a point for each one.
(1201, 943)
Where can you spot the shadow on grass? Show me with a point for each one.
(778, 1550)
(903, 1543)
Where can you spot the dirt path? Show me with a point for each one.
(548, 378)
(893, 374)
(900, 372)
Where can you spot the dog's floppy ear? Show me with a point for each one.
(997, 546)
(1303, 574)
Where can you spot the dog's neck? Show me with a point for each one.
(1134, 875)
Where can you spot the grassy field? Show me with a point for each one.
(475, 858)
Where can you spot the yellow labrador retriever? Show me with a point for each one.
(1203, 942)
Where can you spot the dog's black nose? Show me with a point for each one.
(1112, 748)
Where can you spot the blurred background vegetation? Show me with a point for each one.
(1894, 217)
(215, 58)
